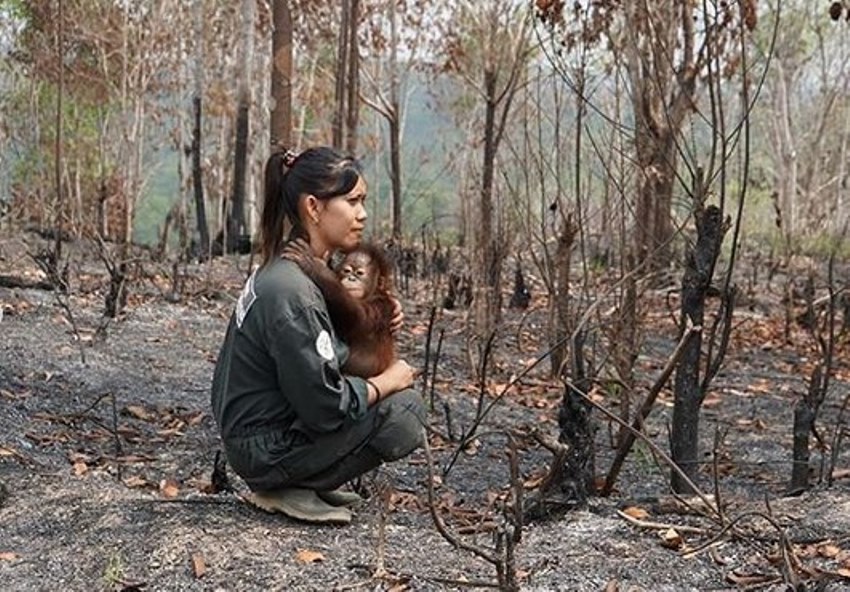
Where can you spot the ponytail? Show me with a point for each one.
(274, 207)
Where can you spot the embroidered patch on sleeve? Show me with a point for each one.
(324, 346)
(246, 299)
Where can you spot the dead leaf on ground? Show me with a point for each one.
(636, 512)
(747, 580)
(135, 481)
(534, 482)
(756, 424)
(308, 556)
(761, 386)
(472, 447)
(7, 394)
(829, 551)
(138, 412)
(712, 400)
(169, 488)
(404, 500)
(671, 539)
(80, 468)
(196, 418)
(199, 567)
(8, 451)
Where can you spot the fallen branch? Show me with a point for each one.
(661, 525)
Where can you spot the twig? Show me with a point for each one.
(463, 583)
(430, 332)
(435, 365)
(836, 439)
(384, 493)
(482, 385)
(118, 451)
(449, 427)
(661, 525)
(715, 468)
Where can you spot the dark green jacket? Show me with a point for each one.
(277, 385)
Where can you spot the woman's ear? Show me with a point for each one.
(312, 207)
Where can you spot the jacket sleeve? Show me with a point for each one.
(309, 374)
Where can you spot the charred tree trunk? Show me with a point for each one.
(807, 408)
(236, 216)
(561, 313)
(236, 226)
(116, 299)
(577, 431)
(198, 181)
(281, 115)
(521, 297)
(570, 479)
(395, 174)
(688, 390)
(805, 413)
(338, 128)
(394, 120)
(352, 78)
(59, 207)
(197, 117)
(487, 299)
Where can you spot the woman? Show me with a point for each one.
(293, 426)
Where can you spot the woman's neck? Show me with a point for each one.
(320, 249)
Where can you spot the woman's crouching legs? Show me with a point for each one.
(398, 431)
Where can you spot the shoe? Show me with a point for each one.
(338, 497)
(301, 504)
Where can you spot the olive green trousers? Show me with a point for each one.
(391, 430)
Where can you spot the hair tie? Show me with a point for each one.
(289, 158)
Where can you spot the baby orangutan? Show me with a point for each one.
(359, 301)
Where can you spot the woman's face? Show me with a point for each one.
(341, 220)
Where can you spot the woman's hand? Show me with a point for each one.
(397, 377)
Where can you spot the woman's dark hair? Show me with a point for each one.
(322, 172)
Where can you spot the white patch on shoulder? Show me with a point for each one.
(246, 299)
(324, 346)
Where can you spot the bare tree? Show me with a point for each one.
(281, 115)
(197, 129)
(487, 48)
(808, 82)
(665, 56)
(346, 101)
(236, 228)
(388, 79)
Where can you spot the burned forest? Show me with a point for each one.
(619, 233)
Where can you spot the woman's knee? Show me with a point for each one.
(403, 427)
